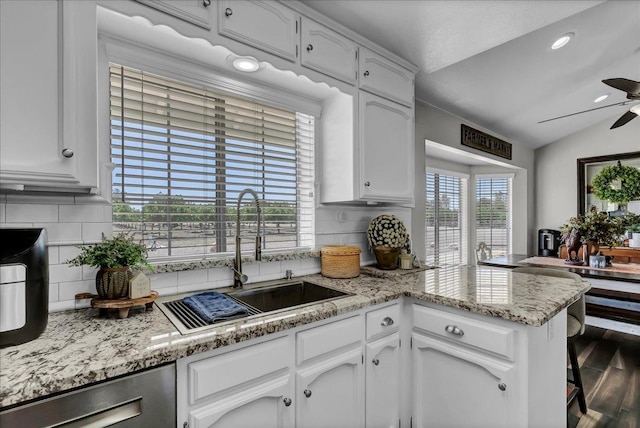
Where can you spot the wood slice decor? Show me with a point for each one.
(122, 305)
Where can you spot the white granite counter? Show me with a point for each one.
(79, 347)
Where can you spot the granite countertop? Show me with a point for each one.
(514, 260)
(79, 347)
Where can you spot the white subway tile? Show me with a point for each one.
(310, 263)
(293, 265)
(39, 213)
(19, 198)
(269, 277)
(68, 290)
(53, 253)
(53, 292)
(62, 233)
(251, 269)
(3, 217)
(92, 232)
(161, 281)
(189, 288)
(187, 277)
(268, 268)
(15, 225)
(67, 252)
(81, 213)
(224, 283)
(89, 272)
(60, 306)
(64, 273)
(82, 303)
(169, 291)
(220, 274)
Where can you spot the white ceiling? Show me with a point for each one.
(490, 63)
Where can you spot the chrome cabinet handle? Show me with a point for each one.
(375, 361)
(287, 401)
(502, 386)
(307, 393)
(206, 3)
(228, 12)
(386, 322)
(67, 153)
(366, 73)
(309, 47)
(454, 329)
(367, 184)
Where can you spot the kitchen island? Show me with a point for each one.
(79, 348)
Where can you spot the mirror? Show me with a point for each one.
(588, 168)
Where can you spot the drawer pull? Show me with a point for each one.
(206, 3)
(228, 12)
(454, 329)
(67, 153)
(386, 322)
(375, 361)
(366, 73)
(502, 386)
(307, 393)
(309, 47)
(287, 401)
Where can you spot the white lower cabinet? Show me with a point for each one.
(382, 362)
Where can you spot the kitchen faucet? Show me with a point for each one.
(238, 277)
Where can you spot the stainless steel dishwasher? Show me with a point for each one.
(144, 399)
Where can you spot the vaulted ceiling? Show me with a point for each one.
(490, 62)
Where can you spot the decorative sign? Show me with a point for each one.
(139, 286)
(479, 140)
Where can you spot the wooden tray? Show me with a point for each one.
(122, 305)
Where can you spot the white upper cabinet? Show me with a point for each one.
(265, 25)
(328, 52)
(198, 12)
(387, 154)
(380, 76)
(48, 136)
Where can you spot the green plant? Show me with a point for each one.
(387, 230)
(599, 226)
(629, 178)
(116, 252)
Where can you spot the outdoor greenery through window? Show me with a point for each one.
(445, 220)
(184, 152)
(493, 213)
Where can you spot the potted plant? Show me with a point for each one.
(595, 229)
(387, 236)
(115, 257)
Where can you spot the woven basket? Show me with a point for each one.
(340, 261)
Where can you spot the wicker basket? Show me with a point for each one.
(340, 261)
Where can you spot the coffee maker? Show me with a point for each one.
(548, 242)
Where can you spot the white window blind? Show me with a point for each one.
(493, 213)
(183, 153)
(445, 219)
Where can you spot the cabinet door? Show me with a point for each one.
(330, 393)
(386, 146)
(268, 405)
(263, 24)
(197, 12)
(455, 387)
(382, 396)
(328, 52)
(385, 78)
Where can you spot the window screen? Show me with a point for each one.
(445, 220)
(182, 155)
(493, 214)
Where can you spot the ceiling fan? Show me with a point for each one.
(632, 88)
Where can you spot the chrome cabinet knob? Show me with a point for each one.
(307, 393)
(375, 361)
(386, 322)
(228, 12)
(287, 401)
(367, 184)
(502, 386)
(206, 3)
(454, 329)
(366, 73)
(67, 153)
(309, 47)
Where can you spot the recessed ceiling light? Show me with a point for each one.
(246, 64)
(563, 40)
(601, 98)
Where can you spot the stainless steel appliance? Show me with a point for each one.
(24, 285)
(145, 399)
(548, 242)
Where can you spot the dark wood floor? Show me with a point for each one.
(610, 368)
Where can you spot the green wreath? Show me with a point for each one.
(630, 184)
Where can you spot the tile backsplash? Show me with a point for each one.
(76, 220)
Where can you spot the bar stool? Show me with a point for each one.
(575, 328)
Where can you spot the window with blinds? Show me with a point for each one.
(493, 213)
(182, 155)
(445, 220)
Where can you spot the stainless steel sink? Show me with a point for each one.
(259, 299)
(285, 296)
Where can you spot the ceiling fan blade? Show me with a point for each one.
(624, 119)
(626, 85)
(584, 111)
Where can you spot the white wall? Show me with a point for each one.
(444, 128)
(556, 167)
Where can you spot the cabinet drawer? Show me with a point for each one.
(495, 339)
(385, 78)
(327, 338)
(216, 374)
(383, 321)
(194, 11)
(328, 52)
